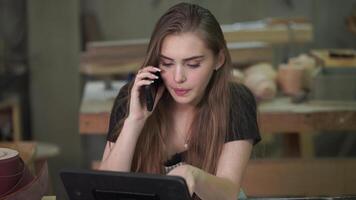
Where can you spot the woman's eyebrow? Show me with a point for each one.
(185, 59)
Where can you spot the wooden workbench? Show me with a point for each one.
(282, 116)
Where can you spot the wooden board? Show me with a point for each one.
(250, 52)
(273, 34)
(297, 177)
(323, 55)
(113, 57)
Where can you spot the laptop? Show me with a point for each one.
(107, 185)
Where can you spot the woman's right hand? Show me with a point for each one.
(144, 77)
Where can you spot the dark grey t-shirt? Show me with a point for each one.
(243, 109)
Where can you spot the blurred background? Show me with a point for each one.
(63, 62)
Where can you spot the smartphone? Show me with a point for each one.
(151, 92)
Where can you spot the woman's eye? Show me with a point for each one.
(166, 64)
(193, 65)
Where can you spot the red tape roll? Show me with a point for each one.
(13, 172)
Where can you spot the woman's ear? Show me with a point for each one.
(221, 60)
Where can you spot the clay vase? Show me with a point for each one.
(290, 79)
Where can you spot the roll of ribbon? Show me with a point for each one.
(13, 172)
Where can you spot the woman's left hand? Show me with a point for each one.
(189, 173)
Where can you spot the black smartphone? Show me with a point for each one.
(151, 92)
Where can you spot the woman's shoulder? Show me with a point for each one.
(118, 110)
(121, 98)
(123, 92)
(243, 114)
(240, 94)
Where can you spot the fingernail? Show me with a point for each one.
(156, 77)
(152, 81)
(158, 69)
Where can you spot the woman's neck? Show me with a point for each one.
(181, 117)
(183, 109)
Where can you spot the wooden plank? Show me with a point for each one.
(273, 34)
(250, 52)
(296, 177)
(97, 123)
(113, 57)
(323, 55)
(307, 145)
(95, 69)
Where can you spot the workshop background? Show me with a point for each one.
(56, 57)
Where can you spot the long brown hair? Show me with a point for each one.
(209, 127)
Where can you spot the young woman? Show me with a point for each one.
(202, 126)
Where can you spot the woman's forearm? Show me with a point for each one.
(210, 187)
(122, 151)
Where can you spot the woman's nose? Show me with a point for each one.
(179, 75)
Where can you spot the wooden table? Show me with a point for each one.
(282, 116)
(300, 121)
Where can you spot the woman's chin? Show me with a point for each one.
(186, 99)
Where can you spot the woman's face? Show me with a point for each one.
(187, 66)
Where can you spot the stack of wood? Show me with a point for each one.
(113, 58)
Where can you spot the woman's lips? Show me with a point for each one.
(181, 92)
